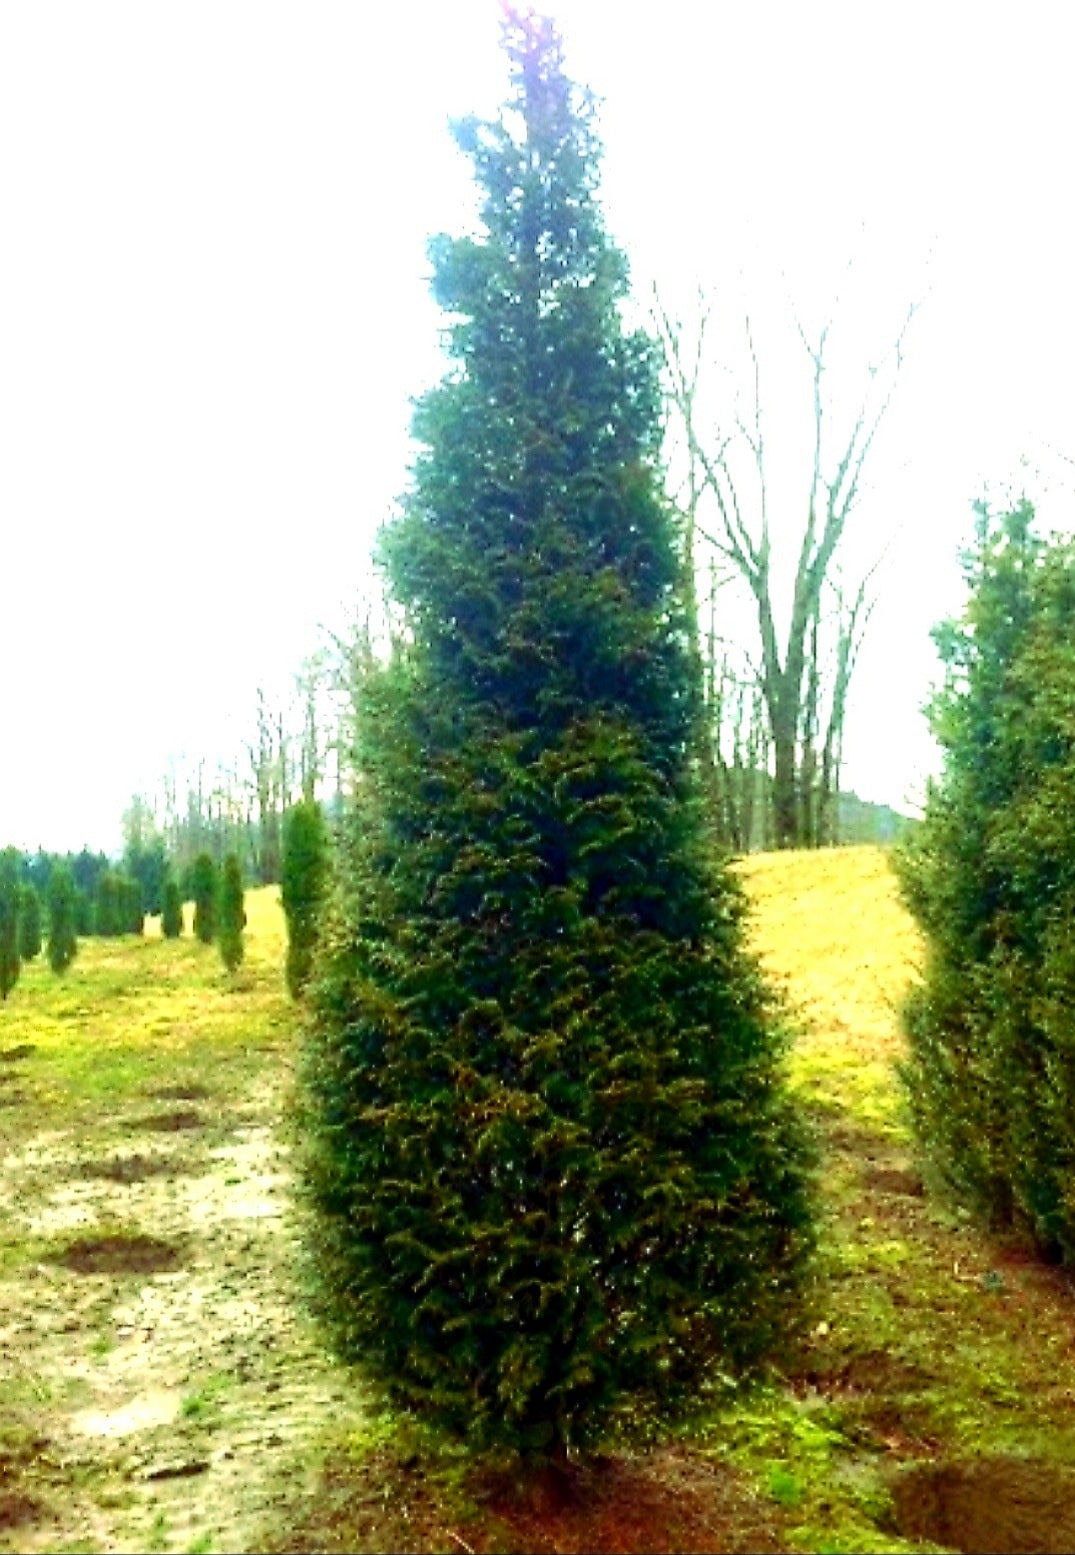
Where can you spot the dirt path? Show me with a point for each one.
(167, 1380)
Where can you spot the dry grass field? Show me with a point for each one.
(162, 1386)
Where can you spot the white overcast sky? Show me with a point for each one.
(214, 314)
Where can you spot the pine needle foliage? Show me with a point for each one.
(559, 1188)
(204, 887)
(303, 880)
(230, 913)
(62, 901)
(990, 877)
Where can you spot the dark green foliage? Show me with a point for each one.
(62, 901)
(132, 916)
(107, 910)
(10, 959)
(29, 922)
(990, 877)
(86, 870)
(558, 1182)
(203, 889)
(147, 862)
(13, 864)
(302, 888)
(231, 917)
(171, 909)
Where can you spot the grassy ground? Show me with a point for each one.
(163, 1388)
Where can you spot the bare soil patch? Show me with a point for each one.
(181, 1390)
(988, 1506)
(894, 1179)
(624, 1504)
(184, 1092)
(17, 1509)
(871, 1371)
(169, 1122)
(120, 1254)
(133, 1168)
(667, 1499)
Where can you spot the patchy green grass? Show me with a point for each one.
(133, 1013)
(932, 1341)
(928, 1342)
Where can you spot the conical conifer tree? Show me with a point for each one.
(29, 922)
(231, 913)
(204, 888)
(10, 956)
(62, 901)
(171, 908)
(557, 1176)
(303, 876)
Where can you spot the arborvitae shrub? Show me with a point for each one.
(29, 922)
(303, 880)
(10, 958)
(172, 909)
(231, 916)
(990, 877)
(558, 1181)
(62, 903)
(204, 887)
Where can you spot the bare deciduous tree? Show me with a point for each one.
(805, 671)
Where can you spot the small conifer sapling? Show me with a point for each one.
(10, 958)
(29, 922)
(204, 887)
(231, 914)
(302, 888)
(62, 904)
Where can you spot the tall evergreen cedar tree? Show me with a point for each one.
(171, 908)
(29, 922)
(990, 877)
(303, 879)
(10, 956)
(204, 886)
(230, 913)
(559, 1186)
(62, 904)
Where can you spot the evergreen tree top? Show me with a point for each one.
(535, 558)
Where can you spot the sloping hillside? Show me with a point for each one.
(831, 931)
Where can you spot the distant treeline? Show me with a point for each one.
(111, 897)
(862, 821)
